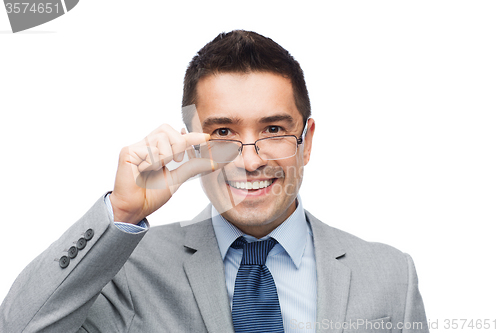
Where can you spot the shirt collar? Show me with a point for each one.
(291, 234)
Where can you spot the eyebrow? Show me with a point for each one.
(276, 118)
(210, 121)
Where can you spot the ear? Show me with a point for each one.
(308, 140)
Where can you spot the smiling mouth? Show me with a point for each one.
(255, 185)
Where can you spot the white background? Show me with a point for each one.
(405, 96)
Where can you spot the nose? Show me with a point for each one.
(249, 159)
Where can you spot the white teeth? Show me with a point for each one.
(251, 185)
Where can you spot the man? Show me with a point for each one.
(253, 261)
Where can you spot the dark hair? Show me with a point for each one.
(241, 51)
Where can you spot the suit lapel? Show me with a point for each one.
(333, 277)
(205, 271)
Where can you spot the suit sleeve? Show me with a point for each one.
(414, 316)
(56, 290)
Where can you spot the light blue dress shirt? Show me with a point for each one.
(127, 227)
(291, 263)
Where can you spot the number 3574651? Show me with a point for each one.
(34, 8)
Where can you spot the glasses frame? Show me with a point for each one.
(240, 150)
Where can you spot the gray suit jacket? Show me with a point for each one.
(171, 279)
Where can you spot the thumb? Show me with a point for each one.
(190, 169)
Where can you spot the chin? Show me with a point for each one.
(249, 216)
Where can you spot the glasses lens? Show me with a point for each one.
(277, 148)
(220, 151)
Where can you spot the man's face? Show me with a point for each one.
(248, 107)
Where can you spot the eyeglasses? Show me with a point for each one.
(269, 149)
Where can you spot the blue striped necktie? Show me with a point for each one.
(256, 307)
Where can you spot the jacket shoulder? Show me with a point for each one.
(358, 253)
(360, 246)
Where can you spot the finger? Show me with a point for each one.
(182, 141)
(171, 144)
(162, 142)
(178, 142)
(196, 138)
(152, 160)
(144, 157)
(192, 139)
(163, 137)
(191, 169)
(175, 139)
(189, 149)
(154, 154)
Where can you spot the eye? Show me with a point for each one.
(222, 132)
(274, 129)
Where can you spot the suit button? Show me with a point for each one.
(80, 245)
(72, 252)
(64, 262)
(89, 234)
